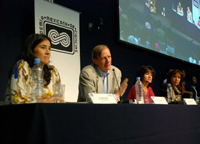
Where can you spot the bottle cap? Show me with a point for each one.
(137, 78)
(37, 60)
(169, 85)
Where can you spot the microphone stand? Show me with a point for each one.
(120, 99)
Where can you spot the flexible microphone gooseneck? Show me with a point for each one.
(117, 84)
(158, 87)
(172, 102)
(120, 98)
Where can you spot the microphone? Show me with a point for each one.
(158, 87)
(121, 101)
(117, 84)
(172, 101)
(97, 80)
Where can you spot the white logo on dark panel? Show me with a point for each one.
(63, 35)
(56, 38)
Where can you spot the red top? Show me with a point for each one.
(198, 23)
(132, 94)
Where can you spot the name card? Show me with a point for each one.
(159, 100)
(98, 98)
(189, 101)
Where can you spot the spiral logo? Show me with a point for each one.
(56, 38)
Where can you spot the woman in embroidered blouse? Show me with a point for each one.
(19, 85)
(176, 79)
(146, 74)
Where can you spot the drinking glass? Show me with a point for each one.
(58, 93)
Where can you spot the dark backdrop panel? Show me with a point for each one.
(19, 23)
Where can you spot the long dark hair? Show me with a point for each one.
(181, 86)
(143, 70)
(27, 53)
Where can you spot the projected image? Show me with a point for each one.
(180, 9)
(169, 27)
(189, 15)
(150, 6)
(198, 24)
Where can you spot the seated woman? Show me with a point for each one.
(19, 86)
(146, 74)
(180, 9)
(189, 15)
(176, 79)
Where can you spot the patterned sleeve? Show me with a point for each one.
(55, 79)
(18, 87)
(55, 75)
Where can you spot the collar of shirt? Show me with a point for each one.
(105, 87)
(103, 74)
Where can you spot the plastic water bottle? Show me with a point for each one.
(139, 91)
(169, 93)
(37, 79)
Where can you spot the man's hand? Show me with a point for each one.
(123, 88)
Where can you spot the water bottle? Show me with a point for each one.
(169, 93)
(139, 91)
(37, 79)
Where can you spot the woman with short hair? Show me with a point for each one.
(146, 74)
